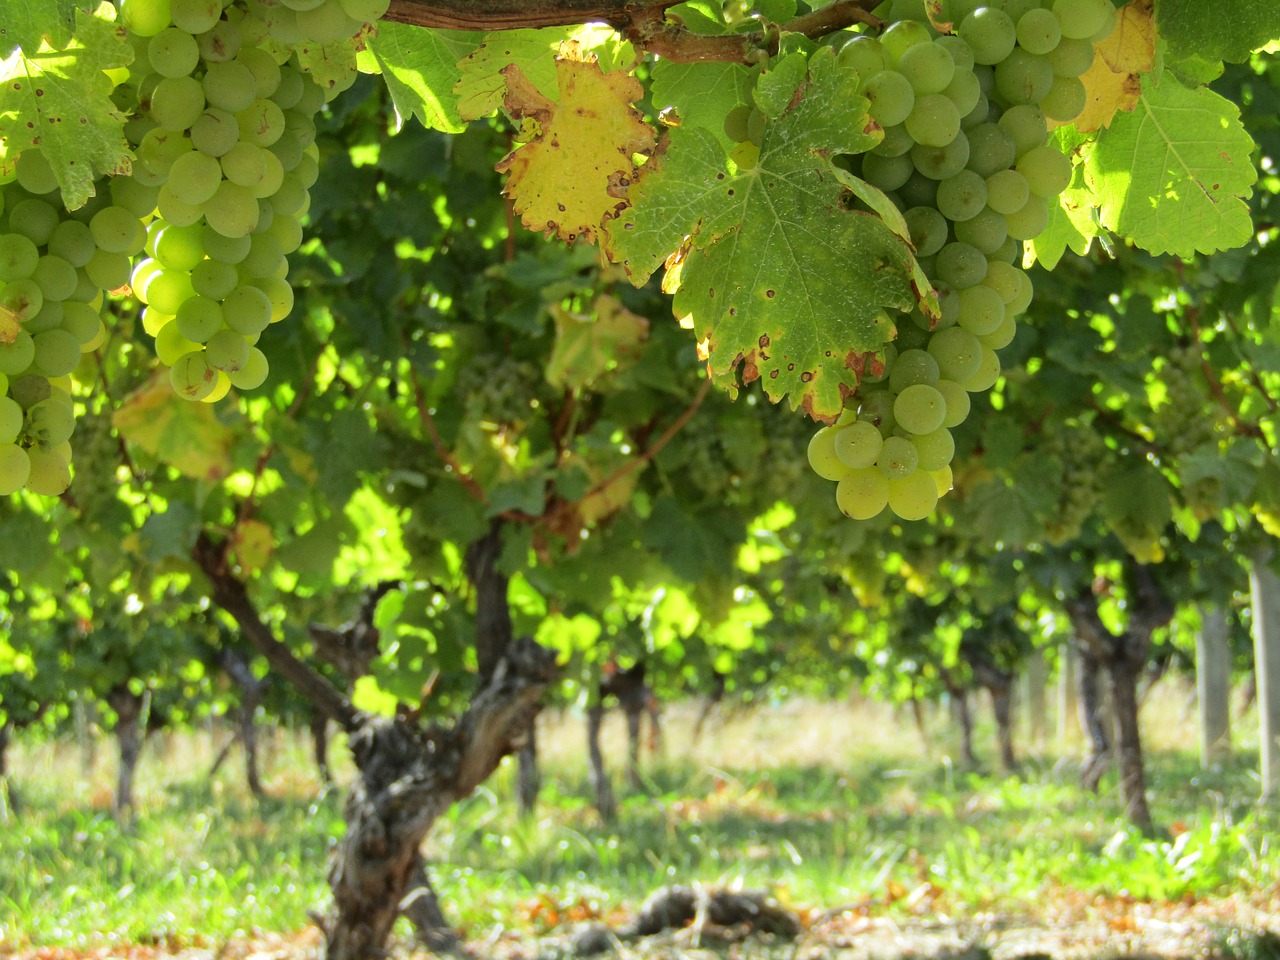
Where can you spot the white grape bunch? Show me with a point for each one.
(966, 157)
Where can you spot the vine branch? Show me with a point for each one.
(644, 24)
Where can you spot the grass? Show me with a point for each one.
(783, 798)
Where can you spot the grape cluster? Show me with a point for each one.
(1072, 458)
(1187, 425)
(966, 158)
(54, 267)
(224, 133)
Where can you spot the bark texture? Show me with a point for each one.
(251, 688)
(1213, 687)
(528, 781)
(128, 707)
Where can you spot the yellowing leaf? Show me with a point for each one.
(1113, 83)
(187, 436)
(560, 179)
(253, 543)
(9, 326)
(590, 347)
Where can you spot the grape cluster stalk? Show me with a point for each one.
(222, 126)
(966, 157)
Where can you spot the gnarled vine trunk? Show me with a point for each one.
(129, 708)
(528, 780)
(1092, 720)
(318, 728)
(246, 729)
(601, 785)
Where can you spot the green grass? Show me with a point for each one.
(785, 800)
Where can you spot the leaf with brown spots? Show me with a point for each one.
(560, 180)
(1114, 81)
(187, 436)
(783, 277)
(60, 102)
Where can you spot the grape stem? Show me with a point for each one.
(645, 25)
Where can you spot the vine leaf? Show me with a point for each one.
(1227, 30)
(780, 277)
(560, 179)
(28, 22)
(187, 436)
(418, 66)
(589, 347)
(60, 101)
(701, 94)
(1173, 176)
(331, 65)
(1113, 82)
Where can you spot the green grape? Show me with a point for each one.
(30, 389)
(958, 353)
(225, 249)
(15, 468)
(22, 298)
(230, 86)
(167, 290)
(11, 419)
(919, 191)
(254, 372)
(307, 171)
(215, 131)
(943, 480)
(920, 409)
(57, 353)
(279, 293)
(220, 43)
(264, 257)
(34, 219)
(961, 52)
(194, 178)
(896, 142)
(265, 70)
(1026, 127)
(1029, 222)
(990, 33)
(965, 92)
(898, 457)
(1081, 19)
(214, 280)
(233, 211)
(34, 174)
(735, 123)
(822, 455)
(1004, 279)
(299, 5)
(18, 257)
(928, 67)
(1026, 290)
(988, 373)
(1071, 58)
(981, 311)
(49, 316)
(227, 351)
(962, 196)
(199, 318)
(289, 91)
(1002, 335)
(56, 278)
(887, 173)
(272, 176)
(863, 55)
(191, 376)
(862, 494)
(145, 18)
(1009, 252)
(81, 321)
(927, 229)
(327, 24)
(1023, 78)
(961, 265)
(159, 148)
(938, 163)
(934, 121)
(1007, 191)
(990, 149)
(876, 408)
(891, 96)
(1038, 31)
(1065, 100)
(986, 231)
(958, 402)
(365, 11)
(107, 270)
(247, 310)
(133, 195)
(73, 242)
(912, 367)
(116, 230)
(914, 496)
(173, 53)
(856, 445)
(171, 345)
(176, 103)
(935, 449)
(50, 422)
(179, 247)
(902, 36)
(195, 16)
(50, 471)
(291, 199)
(263, 123)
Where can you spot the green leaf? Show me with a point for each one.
(1230, 30)
(188, 436)
(331, 65)
(1072, 225)
(28, 22)
(419, 66)
(1173, 175)
(60, 102)
(783, 281)
(701, 94)
(589, 347)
